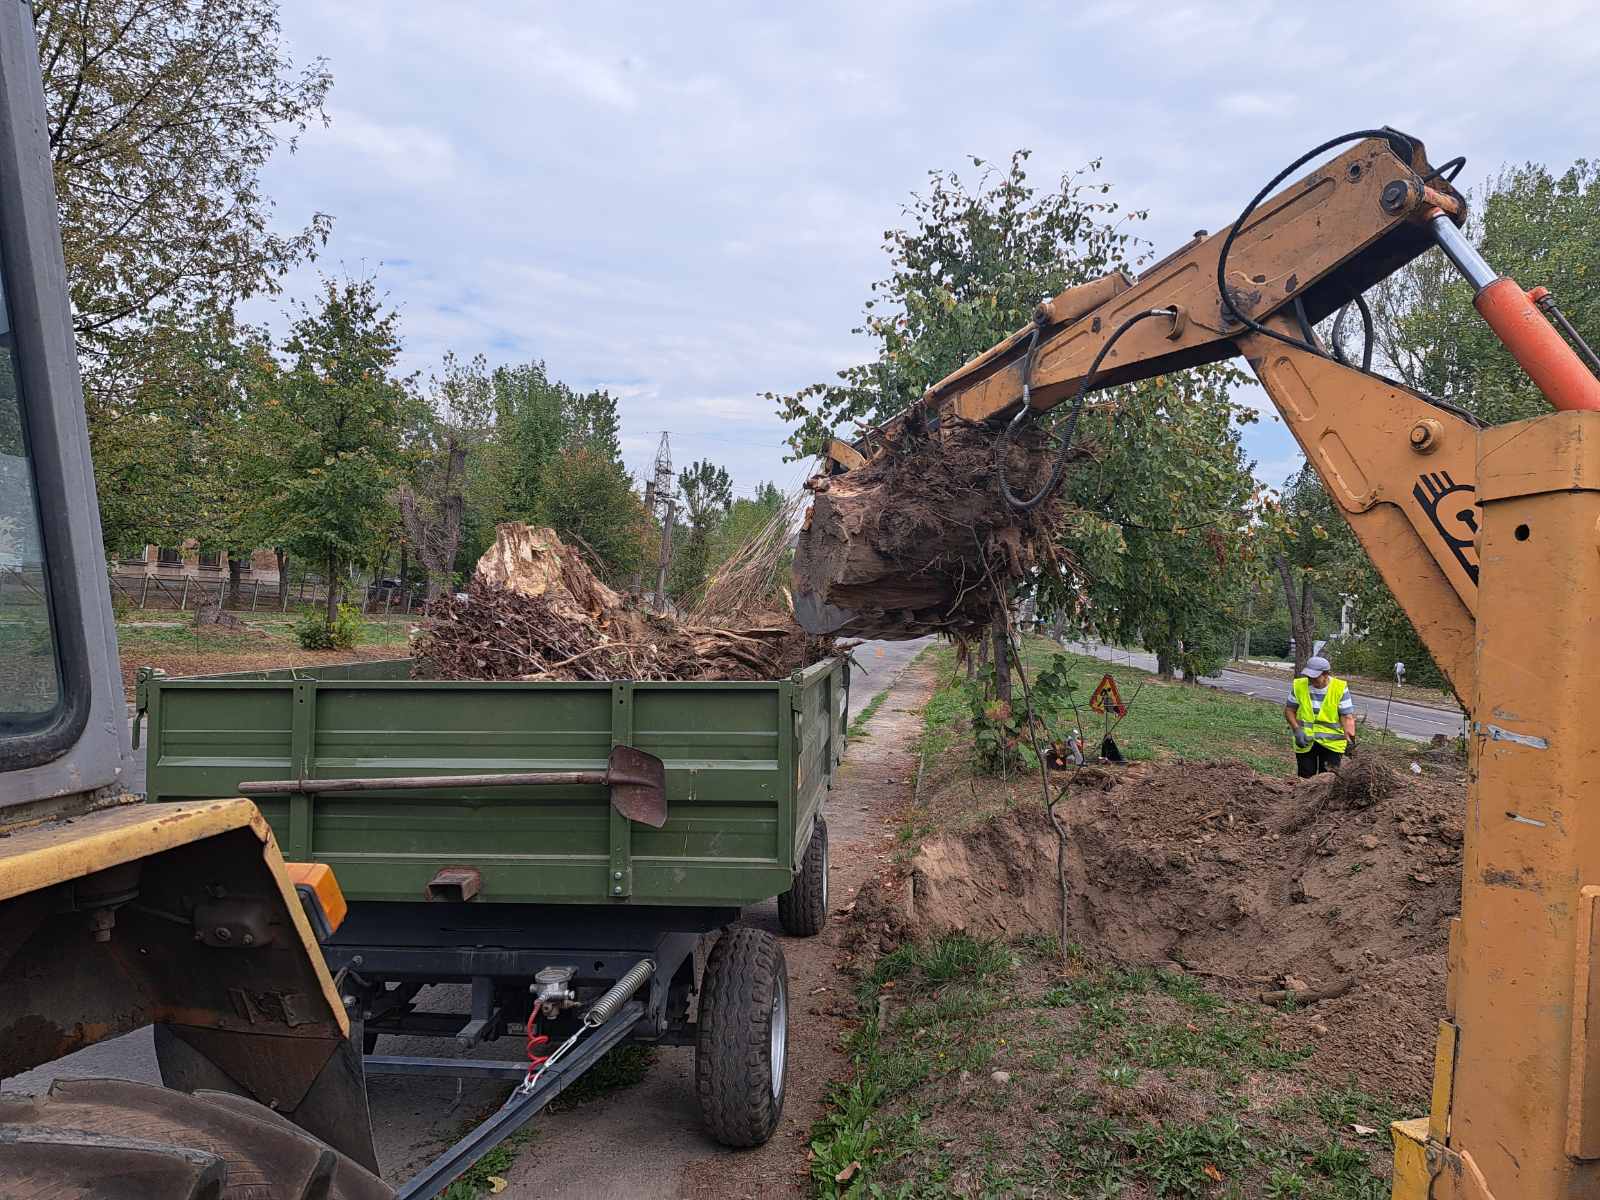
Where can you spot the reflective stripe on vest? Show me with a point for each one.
(1321, 724)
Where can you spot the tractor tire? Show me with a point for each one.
(741, 1046)
(112, 1139)
(803, 909)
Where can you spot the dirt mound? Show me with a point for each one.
(1247, 880)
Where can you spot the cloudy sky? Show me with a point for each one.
(684, 203)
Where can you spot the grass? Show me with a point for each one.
(981, 1068)
(476, 1180)
(151, 636)
(858, 727)
(1164, 720)
(993, 1069)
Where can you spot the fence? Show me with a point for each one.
(186, 593)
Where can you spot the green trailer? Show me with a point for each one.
(541, 892)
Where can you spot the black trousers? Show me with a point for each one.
(1316, 760)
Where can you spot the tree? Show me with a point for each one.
(1535, 226)
(968, 271)
(1158, 531)
(175, 449)
(1314, 551)
(330, 430)
(707, 492)
(161, 115)
(589, 501)
(456, 420)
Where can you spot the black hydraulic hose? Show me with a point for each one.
(1401, 144)
(1368, 334)
(1058, 467)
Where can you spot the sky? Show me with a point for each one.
(685, 203)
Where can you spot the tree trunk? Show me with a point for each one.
(403, 565)
(1164, 667)
(282, 556)
(1302, 615)
(233, 579)
(1002, 660)
(332, 609)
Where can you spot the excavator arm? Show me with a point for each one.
(1488, 537)
(1398, 464)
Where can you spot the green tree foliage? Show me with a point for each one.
(1314, 559)
(1160, 526)
(1531, 224)
(969, 269)
(707, 492)
(195, 400)
(161, 114)
(535, 420)
(588, 499)
(746, 517)
(329, 437)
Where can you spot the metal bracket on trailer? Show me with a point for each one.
(521, 1107)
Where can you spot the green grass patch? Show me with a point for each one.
(474, 1182)
(622, 1067)
(858, 727)
(984, 1069)
(1164, 720)
(154, 636)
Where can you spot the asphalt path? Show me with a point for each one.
(415, 1117)
(1416, 722)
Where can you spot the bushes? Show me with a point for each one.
(315, 633)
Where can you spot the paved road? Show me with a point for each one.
(1416, 722)
(413, 1118)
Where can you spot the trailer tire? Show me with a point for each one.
(741, 1048)
(803, 909)
(141, 1141)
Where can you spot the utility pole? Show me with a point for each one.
(664, 559)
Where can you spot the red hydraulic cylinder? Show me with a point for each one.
(1542, 352)
(1552, 364)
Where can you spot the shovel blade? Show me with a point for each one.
(638, 785)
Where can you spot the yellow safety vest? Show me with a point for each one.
(1321, 724)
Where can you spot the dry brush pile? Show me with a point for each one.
(534, 610)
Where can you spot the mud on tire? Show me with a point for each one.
(803, 909)
(742, 1037)
(139, 1141)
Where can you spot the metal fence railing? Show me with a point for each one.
(187, 593)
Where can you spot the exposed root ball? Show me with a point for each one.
(1361, 783)
(906, 545)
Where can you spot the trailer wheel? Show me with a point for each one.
(741, 1047)
(139, 1141)
(803, 909)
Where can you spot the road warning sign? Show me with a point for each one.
(1106, 697)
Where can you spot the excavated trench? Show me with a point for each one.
(1252, 882)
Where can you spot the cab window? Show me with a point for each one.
(30, 669)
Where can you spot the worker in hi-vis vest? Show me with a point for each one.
(1322, 717)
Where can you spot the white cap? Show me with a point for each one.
(1315, 666)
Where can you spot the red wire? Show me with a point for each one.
(535, 1040)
